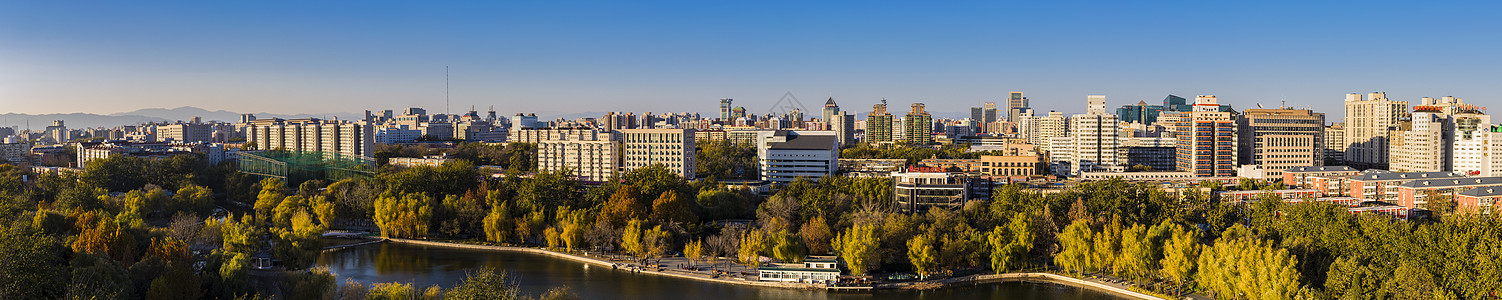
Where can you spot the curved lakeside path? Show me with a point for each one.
(970, 280)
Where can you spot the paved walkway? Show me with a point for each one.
(725, 270)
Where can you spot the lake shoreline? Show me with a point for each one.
(963, 281)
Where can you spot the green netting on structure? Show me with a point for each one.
(297, 167)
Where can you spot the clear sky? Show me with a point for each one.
(346, 56)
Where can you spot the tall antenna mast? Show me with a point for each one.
(446, 90)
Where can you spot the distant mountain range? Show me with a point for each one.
(86, 120)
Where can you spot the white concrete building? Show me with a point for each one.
(673, 148)
(1096, 136)
(784, 156)
(593, 156)
(1368, 123)
(313, 135)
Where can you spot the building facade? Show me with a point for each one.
(673, 148)
(917, 126)
(1280, 139)
(1368, 125)
(879, 124)
(1206, 140)
(313, 135)
(1096, 137)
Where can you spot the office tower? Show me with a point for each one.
(1369, 123)
(1027, 125)
(1176, 103)
(830, 110)
(879, 124)
(673, 148)
(1206, 140)
(1139, 113)
(978, 114)
(1472, 143)
(725, 109)
(1096, 137)
(843, 125)
(1281, 139)
(988, 116)
(415, 111)
(313, 135)
(917, 126)
(1015, 103)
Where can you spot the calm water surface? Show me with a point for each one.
(424, 266)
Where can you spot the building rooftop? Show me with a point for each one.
(1374, 176)
(1320, 169)
(804, 142)
(1483, 192)
(1453, 182)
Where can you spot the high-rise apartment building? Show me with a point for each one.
(313, 135)
(1049, 127)
(1206, 140)
(843, 124)
(1280, 139)
(1369, 122)
(589, 154)
(1474, 144)
(879, 124)
(1335, 142)
(917, 126)
(1096, 137)
(673, 148)
(1015, 103)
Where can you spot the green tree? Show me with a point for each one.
(299, 244)
(403, 216)
(920, 251)
(193, 198)
(392, 291)
(483, 284)
(31, 266)
(498, 223)
(269, 198)
(1107, 245)
(1011, 244)
(858, 246)
(1075, 253)
(788, 248)
(1180, 254)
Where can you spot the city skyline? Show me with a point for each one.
(286, 58)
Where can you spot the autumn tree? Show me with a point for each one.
(403, 216)
(1179, 254)
(920, 251)
(858, 246)
(694, 251)
(753, 244)
(498, 223)
(671, 208)
(1075, 252)
(788, 248)
(622, 206)
(631, 239)
(816, 235)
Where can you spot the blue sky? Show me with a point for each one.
(342, 56)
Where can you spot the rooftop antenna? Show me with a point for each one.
(446, 90)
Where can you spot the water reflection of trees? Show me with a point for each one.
(392, 259)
